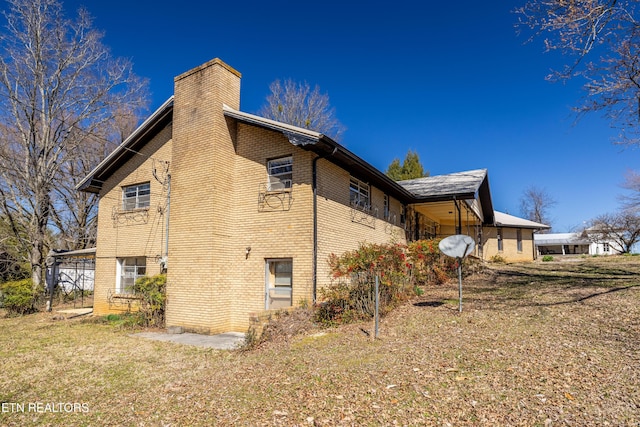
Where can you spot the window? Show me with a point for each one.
(129, 269)
(359, 194)
(279, 274)
(387, 214)
(136, 196)
(280, 173)
(500, 239)
(605, 247)
(519, 237)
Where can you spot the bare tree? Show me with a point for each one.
(606, 29)
(621, 230)
(535, 204)
(631, 182)
(297, 104)
(60, 93)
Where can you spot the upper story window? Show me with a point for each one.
(136, 196)
(359, 194)
(280, 173)
(387, 213)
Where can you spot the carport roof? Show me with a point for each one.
(552, 239)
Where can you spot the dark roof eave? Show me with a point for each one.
(92, 183)
(329, 149)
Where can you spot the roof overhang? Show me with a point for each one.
(160, 118)
(327, 148)
(506, 220)
(469, 186)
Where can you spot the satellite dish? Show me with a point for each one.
(457, 246)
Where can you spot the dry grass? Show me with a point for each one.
(538, 344)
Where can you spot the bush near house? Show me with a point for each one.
(402, 271)
(153, 298)
(17, 297)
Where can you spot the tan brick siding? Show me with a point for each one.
(200, 237)
(217, 171)
(342, 228)
(131, 233)
(509, 244)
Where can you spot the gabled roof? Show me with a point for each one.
(457, 186)
(473, 184)
(92, 183)
(506, 220)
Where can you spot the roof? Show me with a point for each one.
(439, 186)
(327, 148)
(506, 220)
(88, 252)
(472, 184)
(559, 239)
(92, 183)
(456, 186)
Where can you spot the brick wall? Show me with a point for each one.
(218, 171)
(202, 221)
(138, 233)
(509, 244)
(341, 227)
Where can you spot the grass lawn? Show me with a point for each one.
(543, 344)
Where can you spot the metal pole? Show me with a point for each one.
(460, 282)
(376, 314)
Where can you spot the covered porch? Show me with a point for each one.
(458, 203)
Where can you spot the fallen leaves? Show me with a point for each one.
(551, 352)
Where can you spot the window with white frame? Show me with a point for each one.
(519, 239)
(279, 275)
(500, 239)
(280, 173)
(605, 247)
(359, 194)
(136, 196)
(129, 270)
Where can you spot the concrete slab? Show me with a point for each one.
(226, 341)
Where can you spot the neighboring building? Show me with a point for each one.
(511, 238)
(243, 212)
(573, 244)
(71, 271)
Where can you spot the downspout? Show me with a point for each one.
(166, 241)
(314, 185)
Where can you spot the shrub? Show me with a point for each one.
(401, 270)
(499, 259)
(547, 258)
(152, 292)
(18, 297)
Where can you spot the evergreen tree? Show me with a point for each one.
(410, 168)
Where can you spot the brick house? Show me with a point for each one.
(511, 238)
(243, 211)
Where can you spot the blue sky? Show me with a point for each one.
(450, 80)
